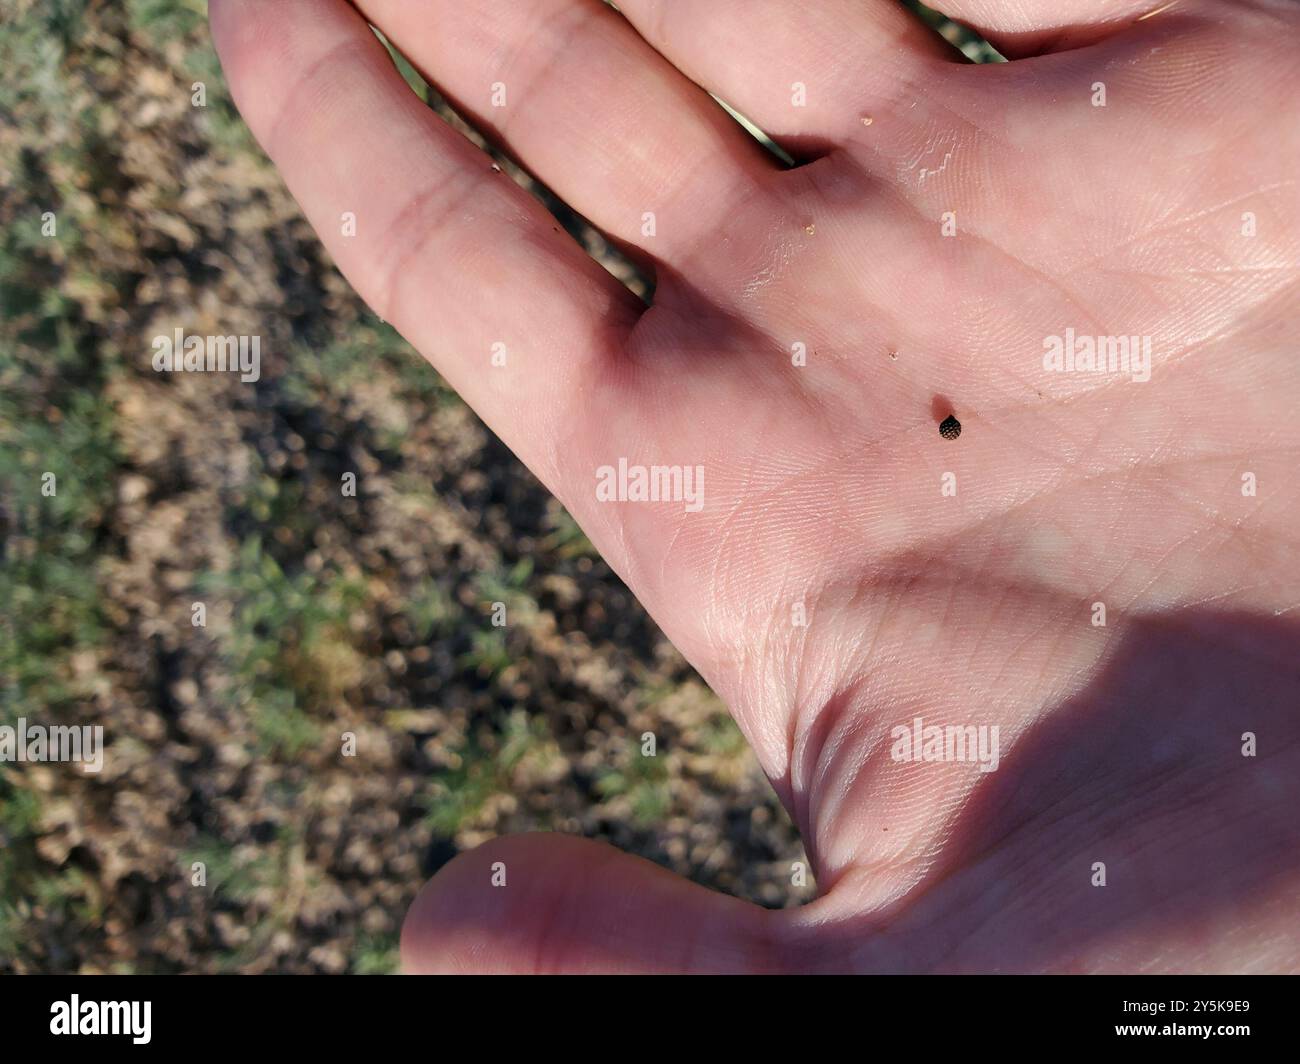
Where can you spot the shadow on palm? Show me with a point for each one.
(1142, 773)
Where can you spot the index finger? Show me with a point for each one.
(465, 264)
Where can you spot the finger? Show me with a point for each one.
(469, 267)
(529, 904)
(1032, 27)
(591, 109)
(462, 261)
(809, 75)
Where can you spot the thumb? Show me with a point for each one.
(545, 903)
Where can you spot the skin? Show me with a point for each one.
(1120, 744)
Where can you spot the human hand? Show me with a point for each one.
(810, 329)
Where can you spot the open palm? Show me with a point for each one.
(1100, 566)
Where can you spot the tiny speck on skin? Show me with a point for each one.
(950, 428)
(867, 120)
(496, 169)
(893, 355)
(810, 229)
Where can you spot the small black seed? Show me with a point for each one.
(950, 428)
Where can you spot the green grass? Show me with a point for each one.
(290, 648)
(459, 794)
(375, 955)
(567, 539)
(430, 611)
(54, 419)
(20, 812)
(642, 781)
(722, 738)
(371, 347)
(167, 20)
(227, 875)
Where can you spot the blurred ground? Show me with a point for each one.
(326, 613)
